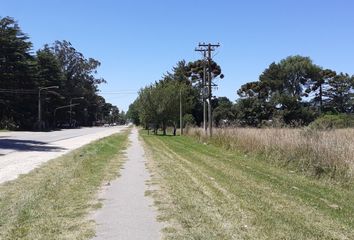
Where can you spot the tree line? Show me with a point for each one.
(158, 104)
(292, 92)
(72, 76)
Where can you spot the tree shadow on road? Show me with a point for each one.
(27, 145)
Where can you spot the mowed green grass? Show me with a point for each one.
(53, 201)
(206, 192)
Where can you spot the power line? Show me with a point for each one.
(35, 91)
(19, 91)
(118, 92)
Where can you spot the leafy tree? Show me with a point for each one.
(80, 81)
(122, 118)
(133, 112)
(148, 107)
(319, 85)
(295, 73)
(188, 120)
(60, 64)
(17, 72)
(223, 111)
(339, 93)
(280, 91)
(48, 68)
(158, 105)
(49, 74)
(249, 111)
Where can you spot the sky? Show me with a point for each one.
(138, 41)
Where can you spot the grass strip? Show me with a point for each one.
(52, 202)
(207, 192)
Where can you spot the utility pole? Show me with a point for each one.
(39, 105)
(66, 106)
(71, 108)
(204, 88)
(209, 48)
(180, 112)
(204, 94)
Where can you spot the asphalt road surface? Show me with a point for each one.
(21, 152)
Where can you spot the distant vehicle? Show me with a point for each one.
(106, 125)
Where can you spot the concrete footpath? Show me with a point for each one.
(127, 213)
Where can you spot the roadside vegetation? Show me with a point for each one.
(331, 121)
(293, 92)
(53, 201)
(72, 77)
(208, 192)
(328, 154)
(158, 104)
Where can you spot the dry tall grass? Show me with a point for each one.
(318, 152)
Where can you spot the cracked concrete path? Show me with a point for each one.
(127, 213)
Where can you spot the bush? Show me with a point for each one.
(8, 124)
(188, 120)
(333, 122)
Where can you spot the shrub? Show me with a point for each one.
(188, 120)
(333, 122)
(8, 124)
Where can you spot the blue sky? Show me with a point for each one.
(138, 41)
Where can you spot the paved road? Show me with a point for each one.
(20, 152)
(20, 141)
(127, 213)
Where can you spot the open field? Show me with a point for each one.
(320, 153)
(52, 202)
(207, 192)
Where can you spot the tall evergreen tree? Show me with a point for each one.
(339, 94)
(17, 72)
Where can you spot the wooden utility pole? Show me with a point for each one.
(209, 48)
(204, 95)
(180, 111)
(204, 88)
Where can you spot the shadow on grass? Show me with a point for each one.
(160, 134)
(167, 135)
